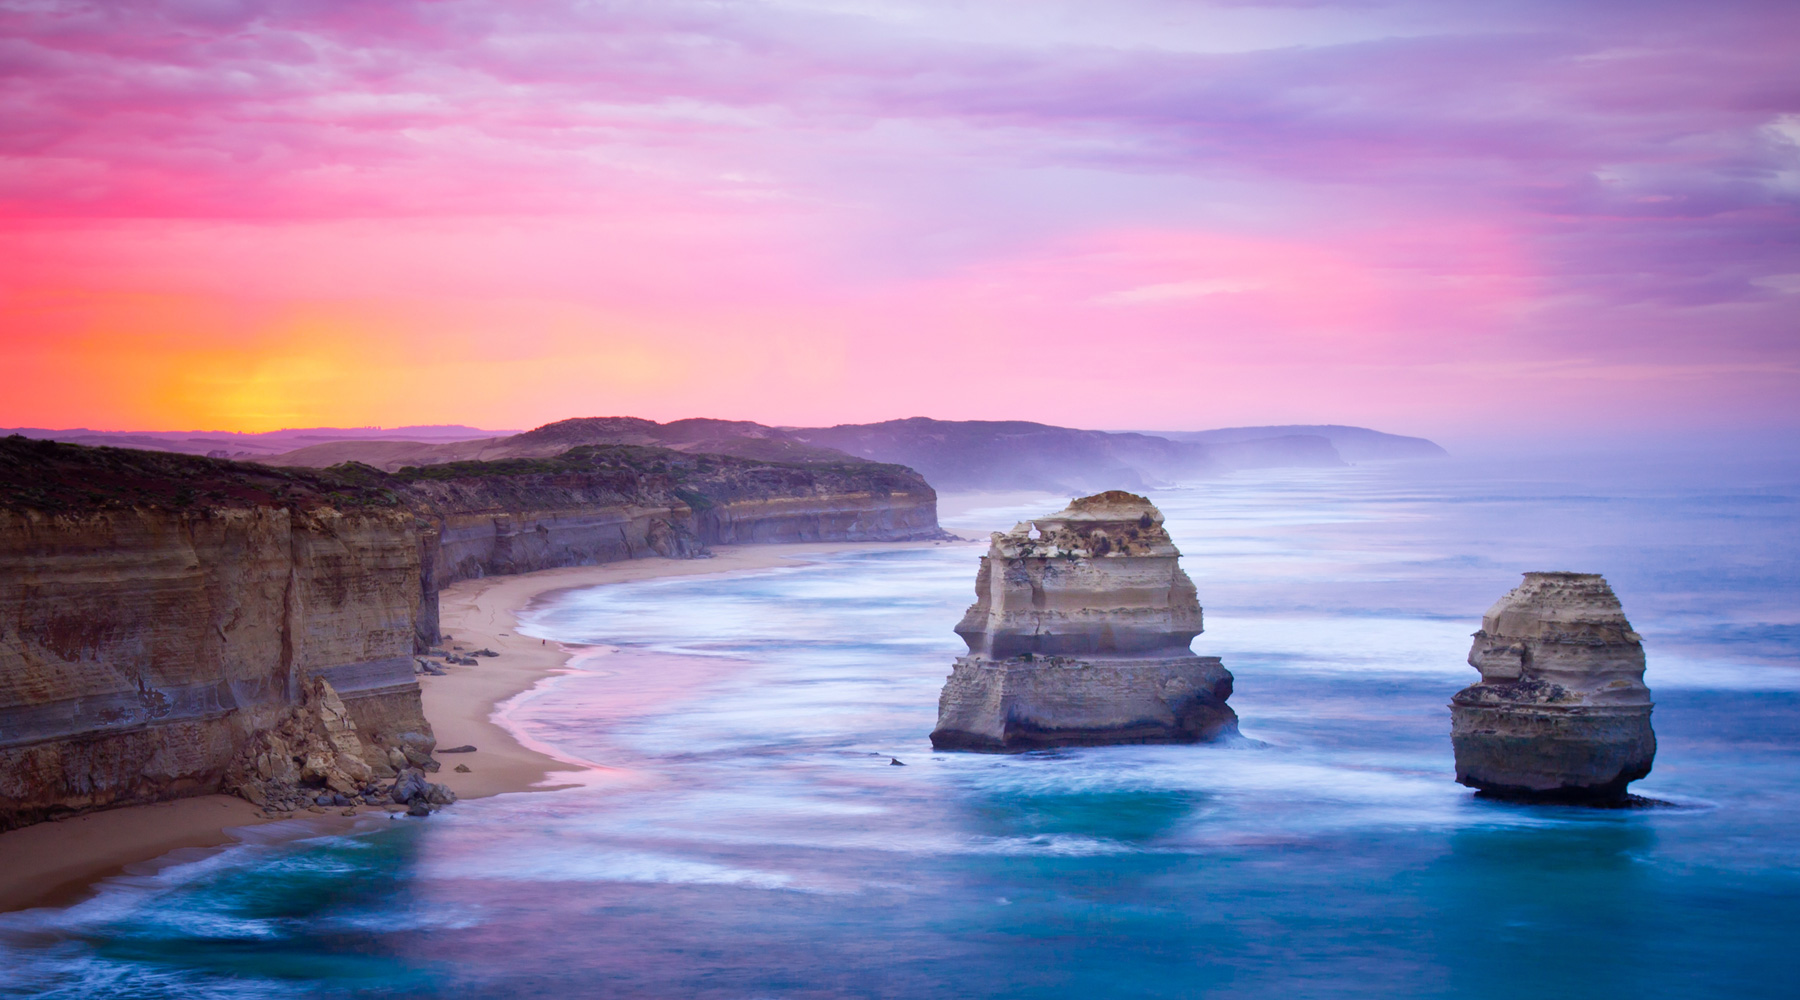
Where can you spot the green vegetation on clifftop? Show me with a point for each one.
(50, 476)
(55, 477)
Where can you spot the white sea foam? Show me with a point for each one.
(1343, 606)
(1050, 845)
(606, 865)
(44, 975)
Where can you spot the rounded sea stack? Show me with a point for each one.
(1079, 634)
(1561, 713)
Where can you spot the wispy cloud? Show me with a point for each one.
(1174, 290)
(1422, 182)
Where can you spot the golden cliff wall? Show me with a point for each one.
(493, 542)
(489, 543)
(158, 610)
(851, 516)
(596, 505)
(140, 647)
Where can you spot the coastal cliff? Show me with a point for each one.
(593, 505)
(162, 615)
(155, 610)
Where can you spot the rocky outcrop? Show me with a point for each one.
(1080, 634)
(314, 756)
(312, 746)
(157, 610)
(1561, 712)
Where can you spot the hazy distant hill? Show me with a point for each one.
(1355, 444)
(737, 438)
(1016, 454)
(237, 445)
(951, 454)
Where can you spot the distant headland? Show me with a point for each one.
(950, 454)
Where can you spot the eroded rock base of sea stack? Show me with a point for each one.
(1079, 635)
(1058, 701)
(1553, 756)
(1561, 713)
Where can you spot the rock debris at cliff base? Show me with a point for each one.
(1079, 635)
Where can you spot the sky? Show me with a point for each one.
(1451, 219)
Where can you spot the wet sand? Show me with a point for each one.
(53, 863)
(467, 705)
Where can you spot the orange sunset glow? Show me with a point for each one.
(264, 231)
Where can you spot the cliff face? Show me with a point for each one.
(173, 625)
(1561, 711)
(602, 504)
(1079, 634)
(852, 501)
(168, 607)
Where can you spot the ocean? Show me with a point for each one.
(759, 840)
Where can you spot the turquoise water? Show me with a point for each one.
(759, 842)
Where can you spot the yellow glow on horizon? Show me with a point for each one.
(123, 361)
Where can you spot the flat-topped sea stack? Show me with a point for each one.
(1079, 634)
(1561, 713)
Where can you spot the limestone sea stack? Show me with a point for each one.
(1561, 712)
(1079, 634)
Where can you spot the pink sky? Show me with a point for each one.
(1443, 219)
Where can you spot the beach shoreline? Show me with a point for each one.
(467, 706)
(60, 861)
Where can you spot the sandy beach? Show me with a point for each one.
(56, 862)
(484, 614)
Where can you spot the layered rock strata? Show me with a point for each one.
(1080, 634)
(1561, 712)
(173, 625)
(597, 504)
(158, 610)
